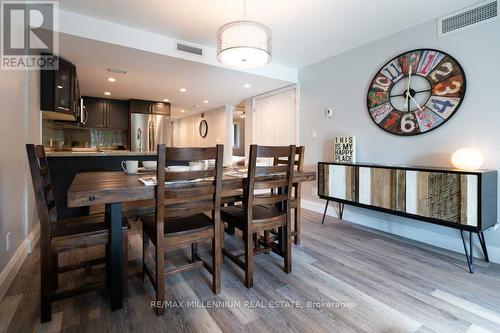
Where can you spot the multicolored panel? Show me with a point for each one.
(392, 70)
(452, 87)
(391, 122)
(445, 69)
(380, 112)
(427, 120)
(377, 97)
(444, 107)
(409, 59)
(428, 60)
(380, 83)
(408, 124)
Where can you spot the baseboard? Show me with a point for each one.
(398, 226)
(10, 271)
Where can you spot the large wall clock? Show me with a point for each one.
(416, 92)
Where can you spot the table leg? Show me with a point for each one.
(114, 220)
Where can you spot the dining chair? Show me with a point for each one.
(295, 202)
(181, 216)
(263, 212)
(63, 235)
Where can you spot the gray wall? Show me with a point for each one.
(342, 82)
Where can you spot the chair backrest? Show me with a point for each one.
(299, 159)
(277, 178)
(42, 185)
(202, 196)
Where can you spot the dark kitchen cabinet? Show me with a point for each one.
(96, 111)
(108, 113)
(59, 91)
(117, 114)
(142, 106)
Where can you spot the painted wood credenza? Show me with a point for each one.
(464, 200)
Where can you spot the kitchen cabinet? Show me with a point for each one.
(59, 91)
(96, 110)
(142, 106)
(106, 113)
(117, 114)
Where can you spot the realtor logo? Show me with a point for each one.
(28, 39)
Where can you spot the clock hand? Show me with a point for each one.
(414, 101)
(408, 90)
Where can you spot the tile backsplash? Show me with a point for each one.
(59, 135)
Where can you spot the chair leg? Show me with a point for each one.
(297, 214)
(45, 284)
(145, 250)
(194, 251)
(160, 276)
(55, 273)
(248, 237)
(125, 262)
(216, 260)
(288, 246)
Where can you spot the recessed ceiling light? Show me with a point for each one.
(111, 79)
(182, 90)
(205, 101)
(182, 111)
(247, 85)
(60, 87)
(117, 71)
(107, 93)
(165, 99)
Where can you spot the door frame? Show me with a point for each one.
(295, 87)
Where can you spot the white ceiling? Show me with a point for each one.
(304, 31)
(155, 77)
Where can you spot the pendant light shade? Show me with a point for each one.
(244, 44)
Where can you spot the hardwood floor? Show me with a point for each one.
(368, 281)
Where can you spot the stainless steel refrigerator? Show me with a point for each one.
(149, 130)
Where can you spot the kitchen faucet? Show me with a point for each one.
(139, 138)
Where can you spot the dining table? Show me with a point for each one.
(114, 188)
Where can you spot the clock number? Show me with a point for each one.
(392, 71)
(445, 88)
(408, 123)
(382, 83)
(448, 68)
(428, 61)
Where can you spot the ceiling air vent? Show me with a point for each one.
(185, 48)
(480, 13)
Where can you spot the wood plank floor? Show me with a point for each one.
(345, 278)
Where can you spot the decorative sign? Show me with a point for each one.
(345, 149)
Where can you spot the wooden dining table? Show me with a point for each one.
(114, 188)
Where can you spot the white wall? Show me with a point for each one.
(186, 130)
(342, 82)
(20, 112)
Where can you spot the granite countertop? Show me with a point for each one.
(94, 153)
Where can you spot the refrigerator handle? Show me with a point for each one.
(153, 130)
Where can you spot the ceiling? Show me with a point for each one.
(155, 77)
(304, 31)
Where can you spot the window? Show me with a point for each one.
(236, 135)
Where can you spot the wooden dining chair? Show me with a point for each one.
(263, 212)
(181, 216)
(62, 235)
(295, 203)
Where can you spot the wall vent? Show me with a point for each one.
(480, 13)
(191, 49)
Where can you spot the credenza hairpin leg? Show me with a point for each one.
(341, 210)
(468, 254)
(480, 235)
(324, 213)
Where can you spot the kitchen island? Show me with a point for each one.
(64, 165)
